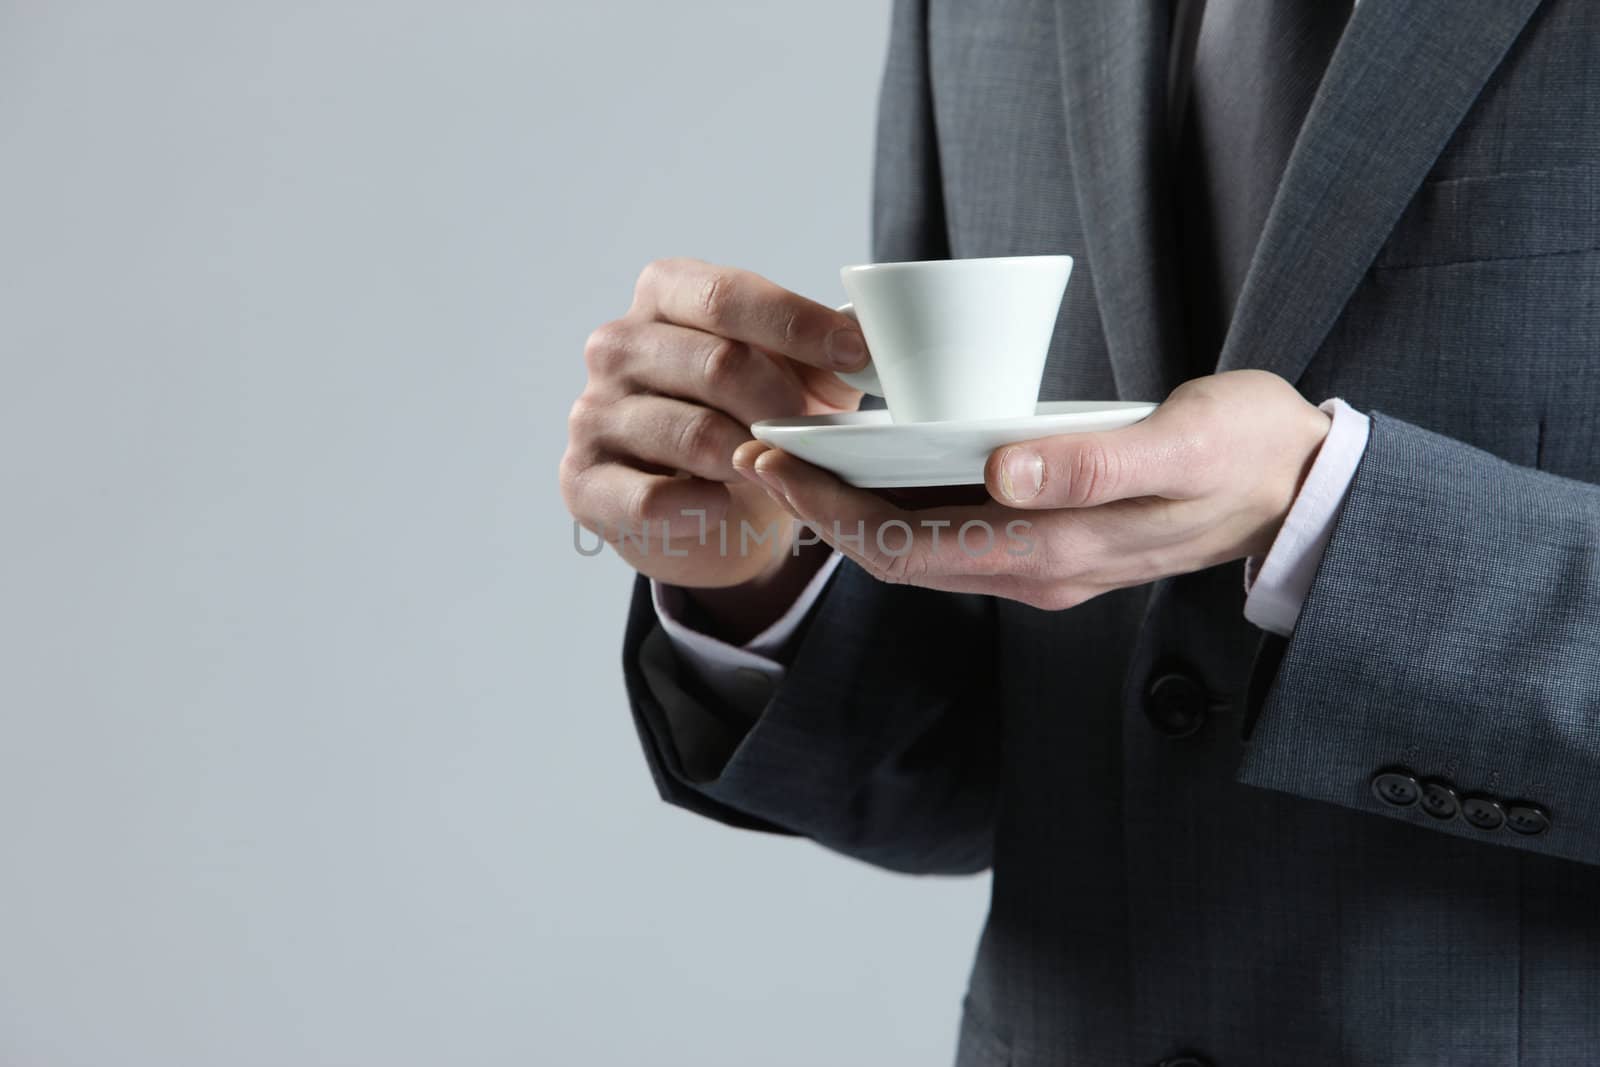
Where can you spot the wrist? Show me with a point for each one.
(1306, 440)
(1280, 581)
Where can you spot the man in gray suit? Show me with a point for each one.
(1352, 817)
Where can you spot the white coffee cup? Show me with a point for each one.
(956, 339)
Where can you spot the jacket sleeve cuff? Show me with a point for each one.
(742, 676)
(1448, 638)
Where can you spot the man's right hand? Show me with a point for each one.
(673, 388)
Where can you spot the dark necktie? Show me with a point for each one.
(1254, 66)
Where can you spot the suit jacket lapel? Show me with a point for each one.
(1399, 84)
(1113, 67)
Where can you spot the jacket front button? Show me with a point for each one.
(1185, 1061)
(1396, 787)
(1483, 811)
(1526, 818)
(1175, 703)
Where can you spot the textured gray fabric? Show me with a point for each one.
(1433, 256)
(1254, 70)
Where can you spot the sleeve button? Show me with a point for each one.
(1483, 811)
(1526, 818)
(1439, 799)
(1396, 787)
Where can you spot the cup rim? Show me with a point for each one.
(1057, 260)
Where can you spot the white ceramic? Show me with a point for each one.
(866, 449)
(956, 338)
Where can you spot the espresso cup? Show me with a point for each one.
(956, 339)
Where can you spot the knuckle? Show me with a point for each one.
(1202, 403)
(1060, 598)
(646, 503)
(1207, 409)
(886, 567)
(903, 568)
(723, 364)
(697, 436)
(1196, 390)
(1091, 473)
(652, 277)
(1038, 599)
(1053, 597)
(583, 418)
(605, 349)
(713, 297)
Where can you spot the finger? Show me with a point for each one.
(617, 501)
(921, 547)
(744, 459)
(747, 307)
(660, 357)
(662, 431)
(1081, 470)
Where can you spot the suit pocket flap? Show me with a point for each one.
(1498, 216)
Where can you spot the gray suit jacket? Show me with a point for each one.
(1189, 852)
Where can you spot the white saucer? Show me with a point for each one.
(865, 449)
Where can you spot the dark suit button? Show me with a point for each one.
(1483, 811)
(1185, 1061)
(1175, 704)
(1396, 787)
(1526, 818)
(1439, 798)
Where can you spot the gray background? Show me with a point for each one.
(313, 747)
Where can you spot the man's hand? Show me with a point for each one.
(673, 388)
(1207, 478)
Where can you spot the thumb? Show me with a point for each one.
(1083, 470)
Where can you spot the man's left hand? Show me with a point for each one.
(1206, 479)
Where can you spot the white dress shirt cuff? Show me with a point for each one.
(742, 675)
(1278, 585)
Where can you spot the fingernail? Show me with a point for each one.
(1021, 474)
(847, 349)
